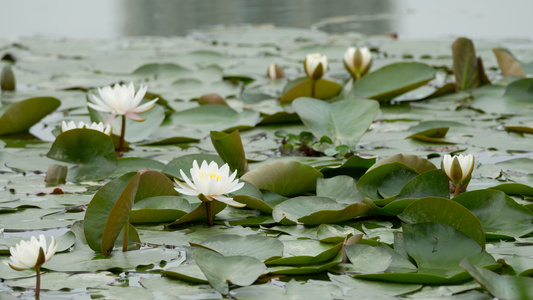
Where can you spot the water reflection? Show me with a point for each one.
(177, 17)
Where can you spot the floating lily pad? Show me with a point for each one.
(499, 214)
(313, 210)
(91, 150)
(433, 246)
(344, 122)
(285, 178)
(159, 209)
(223, 270)
(447, 212)
(108, 212)
(261, 247)
(305, 252)
(302, 87)
(215, 117)
(392, 80)
(22, 115)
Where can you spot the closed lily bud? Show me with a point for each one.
(315, 65)
(275, 71)
(7, 79)
(357, 61)
(457, 168)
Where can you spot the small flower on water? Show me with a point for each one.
(315, 65)
(275, 71)
(31, 254)
(357, 61)
(121, 100)
(457, 168)
(211, 182)
(95, 126)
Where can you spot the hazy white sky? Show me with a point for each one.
(411, 19)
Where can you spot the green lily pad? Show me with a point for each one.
(191, 273)
(253, 198)
(368, 259)
(316, 290)
(108, 212)
(199, 213)
(307, 269)
(229, 147)
(354, 167)
(433, 246)
(392, 80)
(222, 270)
(313, 210)
(341, 188)
(91, 150)
(370, 183)
(467, 68)
(433, 135)
(215, 117)
(344, 122)
(20, 116)
(500, 286)
(261, 247)
(332, 233)
(285, 178)
(159, 209)
(302, 87)
(499, 214)
(153, 184)
(305, 252)
(441, 210)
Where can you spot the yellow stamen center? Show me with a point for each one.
(211, 175)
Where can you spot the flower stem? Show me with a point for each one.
(122, 134)
(208, 213)
(38, 284)
(313, 87)
(457, 190)
(126, 237)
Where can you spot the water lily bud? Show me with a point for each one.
(457, 168)
(7, 79)
(357, 61)
(315, 65)
(275, 71)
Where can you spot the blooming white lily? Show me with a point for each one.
(210, 181)
(315, 65)
(95, 126)
(32, 254)
(458, 167)
(121, 100)
(357, 61)
(27, 254)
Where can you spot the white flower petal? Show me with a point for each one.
(229, 201)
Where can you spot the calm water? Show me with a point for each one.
(410, 19)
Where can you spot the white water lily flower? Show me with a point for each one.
(95, 126)
(315, 65)
(212, 182)
(27, 254)
(121, 100)
(357, 60)
(457, 168)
